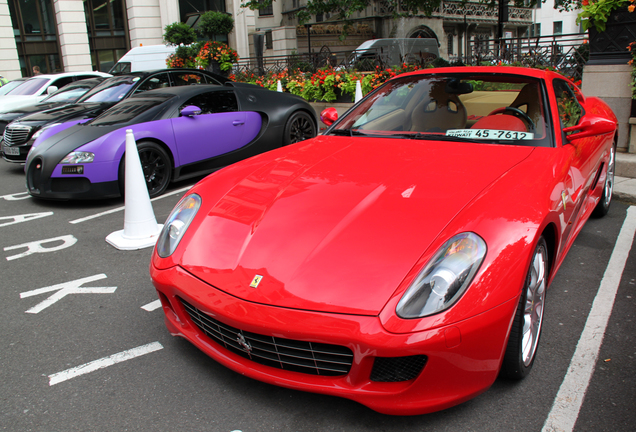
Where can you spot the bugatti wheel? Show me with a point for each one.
(299, 127)
(156, 167)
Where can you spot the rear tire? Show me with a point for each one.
(299, 127)
(156, 166)
(603, 205)
(526, 327)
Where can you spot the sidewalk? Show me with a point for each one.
(625, 181)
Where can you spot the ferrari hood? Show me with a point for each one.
(334, 224)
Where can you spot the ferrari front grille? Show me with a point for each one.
(15, 135)
(293, 355)
(397, 369)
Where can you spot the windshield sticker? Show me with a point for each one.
(489, 134)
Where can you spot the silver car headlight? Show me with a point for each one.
(445, 278)
(177, 224)
(39, 132)
(78, 158)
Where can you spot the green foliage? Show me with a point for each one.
(596, 13)
(179, 34)
(214, 23)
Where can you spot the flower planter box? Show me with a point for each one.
(610, 46)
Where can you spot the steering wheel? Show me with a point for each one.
(517, 113)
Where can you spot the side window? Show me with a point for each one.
(81, 77)
(214, 102)
(187, 78)
(154, 82)
(570, 110)
(61, 82)
(210, 80)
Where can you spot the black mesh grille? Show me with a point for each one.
(395, 369)
(293, 355)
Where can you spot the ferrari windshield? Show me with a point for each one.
(498, 108)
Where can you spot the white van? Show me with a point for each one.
(395, 51)
(143, 58)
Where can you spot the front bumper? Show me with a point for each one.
(462, 360)
(15, 154)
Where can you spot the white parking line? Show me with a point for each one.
(104, 362)
(568, 401)
(115, 210)
(152, 306)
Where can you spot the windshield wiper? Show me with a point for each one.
(346, 132)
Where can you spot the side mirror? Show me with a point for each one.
(190, 111)
(328, 116)
(51, 89)
(590, 125)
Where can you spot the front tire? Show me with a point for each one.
(299, 127)
(603, 205)
(156, 166)
(526, 327)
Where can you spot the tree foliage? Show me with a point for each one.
(179, 34)
(214, 23)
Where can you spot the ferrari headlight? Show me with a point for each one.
(445, 278)
(78, 158)
(177, 224)
(39, 132)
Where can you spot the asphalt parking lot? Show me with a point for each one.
(84, 347)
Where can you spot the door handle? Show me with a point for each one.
(238, 122)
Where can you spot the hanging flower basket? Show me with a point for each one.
(610, 46)
(216, 57)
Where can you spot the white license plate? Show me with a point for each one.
(11, 151)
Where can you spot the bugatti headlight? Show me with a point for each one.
(445, 278)
(78, 158)
(177, 224)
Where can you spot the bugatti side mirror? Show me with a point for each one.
(590, 125)
(190, 111)
(328, 116)
(51, 89)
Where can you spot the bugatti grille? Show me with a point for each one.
(15, 135)
(395, 369)
(298, 356)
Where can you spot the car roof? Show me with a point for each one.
(185, 91)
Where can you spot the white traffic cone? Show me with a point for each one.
(279, 87)
(358, 91)
(141, 229)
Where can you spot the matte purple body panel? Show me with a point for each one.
(200, 137)
(204, 136)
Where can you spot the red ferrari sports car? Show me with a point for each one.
(402, 258)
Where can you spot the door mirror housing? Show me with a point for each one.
(590, 125)
(328, 116)
(190, 111)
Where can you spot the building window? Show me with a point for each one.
(107, 32)
(535, 30)
(558, 27)
(269, 44)
(450, 41)
(267, 11)
(189, 7)
(35, 33)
